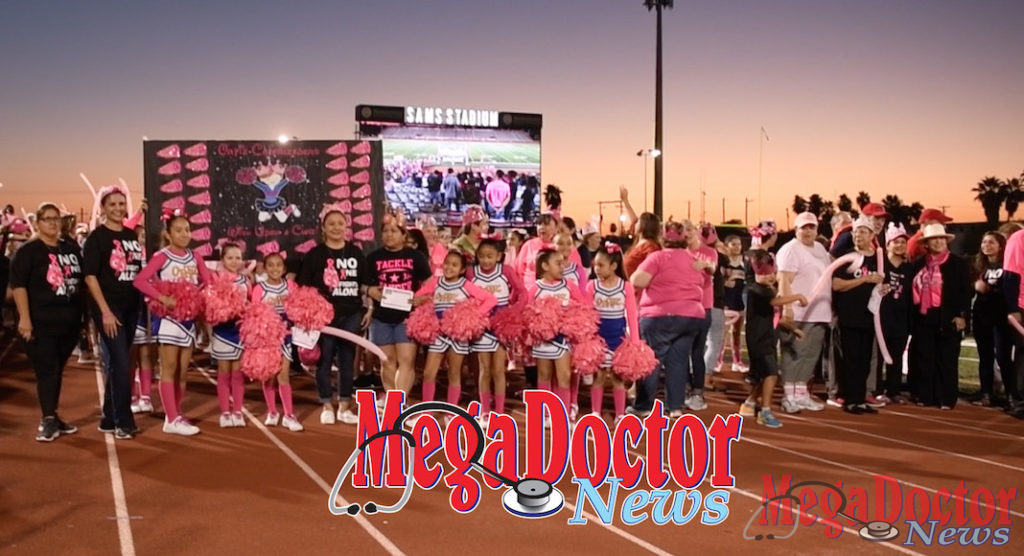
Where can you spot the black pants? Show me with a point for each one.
(1014, 379)
(48, 353)
(333, 349)
(896, 344)
(854, 365)
(995, 343)
(117, 370)
(935, 358)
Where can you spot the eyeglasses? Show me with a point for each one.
(50, 219)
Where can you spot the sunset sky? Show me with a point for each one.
(919, 98)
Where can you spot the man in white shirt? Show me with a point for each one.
(802, 262)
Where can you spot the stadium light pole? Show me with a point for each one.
(658, 6)
(653, 153)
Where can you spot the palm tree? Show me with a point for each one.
(844, 203)
(914, 212)
(799, 204)
(815, 204)
(896, 209)
(863, 198)
(1013, 189)
(990, 193)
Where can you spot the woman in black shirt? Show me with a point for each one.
(46, 279)
(337, 268)
(111, 260)
(991, 329)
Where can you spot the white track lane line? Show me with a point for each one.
(795, 511)
(124, 524)
(375, 533)
(957, 425)
(832, 425)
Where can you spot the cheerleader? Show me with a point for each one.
(553, 358)
(226, 347)
(175, 262)
(574, 273)
(501, 282)
(615, 300)
(273, 290)
(143, 352)
(445, 292)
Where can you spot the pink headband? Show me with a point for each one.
(110, 190)
(765, 267)
(674, 232)
(612, 247)
(332, 207)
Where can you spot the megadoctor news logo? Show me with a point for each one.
(949, 517)
(396, 448)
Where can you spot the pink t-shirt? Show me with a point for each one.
(438, 252)
(709, 254)
(809, 264)
(1013, 259)
(497, 193)
(676, 288)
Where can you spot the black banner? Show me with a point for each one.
(263, 195)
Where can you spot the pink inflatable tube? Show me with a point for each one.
(355, 339)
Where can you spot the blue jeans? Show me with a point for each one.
(117, 394)
(343, 352)
(673, 340)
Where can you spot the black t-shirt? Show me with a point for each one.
(405, 269)
(992, 304)
(718, 282)
(760, 321)
(347, 267)
(733, 295)
(897, 305)
(114, 258)
(851, 306)
(52, 277)
(586, 256)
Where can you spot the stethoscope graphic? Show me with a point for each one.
(527, 498)
(875, 531)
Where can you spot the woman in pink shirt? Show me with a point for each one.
(526, 259)
(672, 316)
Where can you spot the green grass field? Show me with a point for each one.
(524, 156)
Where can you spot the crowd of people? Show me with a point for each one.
(837, 312)
(508, 196)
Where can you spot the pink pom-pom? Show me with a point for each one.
(423, 325)
(634, 360)
(309, 356)
(508, 324)
(544, 316)
(579, 321)
(263, 363)
(223, 299)
(588, 354)
(188, 301)
(464, 322)
(305, 307)
(261, 327)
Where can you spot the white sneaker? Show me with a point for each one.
(180, 426)
(136, 408)
(587, 380)
(675, 413)
(225, 421)
(810, 404)
(237, 420)
(790, 405)
(272, 419)
(574, 412)
(291, 423)
(327, 416)
(696, 402)
(145, 405)
(347, 417)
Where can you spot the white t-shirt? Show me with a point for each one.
(808, 265)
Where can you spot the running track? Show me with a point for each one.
(258, 490)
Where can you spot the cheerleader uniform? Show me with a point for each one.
(505, 287)
(226, 342)
(446, 294)
(565, 291)
(170, 267)
(617, 308)
(263, 292)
